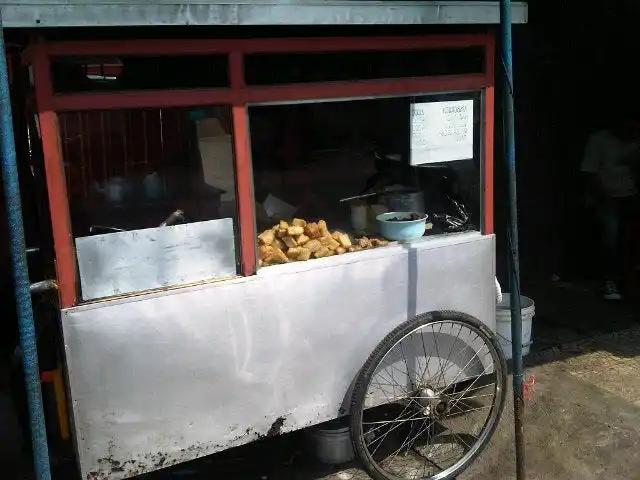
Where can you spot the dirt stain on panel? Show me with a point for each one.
(276, 427)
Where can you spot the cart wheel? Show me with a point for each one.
(429, 398)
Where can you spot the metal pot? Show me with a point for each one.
(331, 444)
(404, 200)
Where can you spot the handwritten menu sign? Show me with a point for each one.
(441, 131)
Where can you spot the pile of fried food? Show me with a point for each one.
(300, 240)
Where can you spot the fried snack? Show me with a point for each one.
(278, 256)
(364, 242)
(289, 241)
(298, 222)
(305, 254)
(266, 238)
(294, 253)
(381, 242)
(344, 240)
(324, 230)
(332, 244)
(325, 240)
(313, 245)
(299, 240)
(265, 251)
(376, 242)
(312, 230)
(323, 252)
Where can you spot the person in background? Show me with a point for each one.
(612, 193)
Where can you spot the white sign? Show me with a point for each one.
(441, 131)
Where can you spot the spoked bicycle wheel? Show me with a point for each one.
(428, 398)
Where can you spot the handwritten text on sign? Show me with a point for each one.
(441, 131)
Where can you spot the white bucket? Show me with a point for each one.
(503, 323)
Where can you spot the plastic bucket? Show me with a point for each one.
(503, 323)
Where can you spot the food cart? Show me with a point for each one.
(196, 318)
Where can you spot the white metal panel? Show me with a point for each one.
(167, 377)
(134, 261)
(86, 13)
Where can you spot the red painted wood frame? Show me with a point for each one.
(237, 95)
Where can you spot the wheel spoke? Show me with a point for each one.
(381, 439)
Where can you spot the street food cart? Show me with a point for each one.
(198, 314)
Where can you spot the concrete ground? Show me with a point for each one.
(584, 419)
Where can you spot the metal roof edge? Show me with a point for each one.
(103, 13)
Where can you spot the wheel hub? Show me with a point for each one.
(433, 405)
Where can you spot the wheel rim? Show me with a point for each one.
(427, 386)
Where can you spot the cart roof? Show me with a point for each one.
(94, 13)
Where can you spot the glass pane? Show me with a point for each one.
(94, 74)
(309, 157)
(452, 188)
(284, 68)
(152, 197)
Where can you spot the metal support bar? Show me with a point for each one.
(43, 286)
(514, 262)
(21, 275)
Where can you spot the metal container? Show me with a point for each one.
(331, 444)
(404, 200)
(359, 217)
